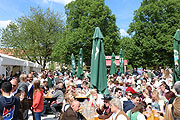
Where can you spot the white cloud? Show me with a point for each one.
(4, 24)
(64, 2)
(123, 33)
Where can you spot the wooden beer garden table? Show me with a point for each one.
(81, 98)
(49, 97)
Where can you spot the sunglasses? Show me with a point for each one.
(14, 85)
(130, 95)
(106, 102)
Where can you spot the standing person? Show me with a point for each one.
(38, 103)
(9, 105)
(23, 87)
(14, 90)
(23, 109)
(30, 86)
(135, 72)
(1, 80)
(50, 81)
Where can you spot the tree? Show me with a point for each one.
(153, 28)
(82, 18)
(34, 35)
(128, 46)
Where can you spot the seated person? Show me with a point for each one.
(116, 108)
(85, 88)
(59, 95)
(136, 112)
(105, 110)
(118, 93)
(95, 98)
(72, 112)
(68, 99)
(128, 105)
(45, 87)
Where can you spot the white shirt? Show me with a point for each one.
(120, 117)
(13, 93)
(98, 101)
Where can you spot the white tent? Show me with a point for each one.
(10, 64)
(10, 60)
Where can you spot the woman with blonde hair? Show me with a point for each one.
(172, 111)
(68, 99)
(146, 96)
(176, 108)
(168, 112)
(38, 103)
(168, 77)
(157, 103)
(95, 98)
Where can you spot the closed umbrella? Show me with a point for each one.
(121, 60)
(98, 63)
(113, 68)
(73, 63)
(80, 64)
(176, 46)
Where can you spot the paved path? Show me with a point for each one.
(48, 117)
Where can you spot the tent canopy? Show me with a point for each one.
(13, 61)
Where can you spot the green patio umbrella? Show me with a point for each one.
(73, 63)
(113, 68)
(121, 60)
(176, 45)
(98, 63)
(80, 64)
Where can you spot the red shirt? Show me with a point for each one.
(131, 90)
(38, 102)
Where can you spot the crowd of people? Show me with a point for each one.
(134, 95)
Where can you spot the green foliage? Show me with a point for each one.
(82, 18)
(130, 50)
(51, 66)
(153, 28)
(34, 34)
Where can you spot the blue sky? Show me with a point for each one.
(12, 9)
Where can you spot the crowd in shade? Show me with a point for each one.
(145, 95)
